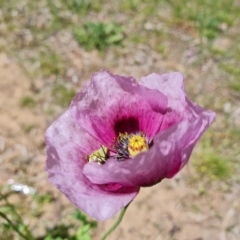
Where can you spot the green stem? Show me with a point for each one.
(19, 219)
(116, 223)
(13, 226)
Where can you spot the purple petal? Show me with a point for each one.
(111, 104)
(169, 153)
(171, 85)
(67, 148)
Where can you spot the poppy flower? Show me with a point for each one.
(119, 135)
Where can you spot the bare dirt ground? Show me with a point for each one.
(201, 203)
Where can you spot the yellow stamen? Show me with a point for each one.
(136, 145)
(99, 156)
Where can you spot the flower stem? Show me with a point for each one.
(116, 223)
(13, 226)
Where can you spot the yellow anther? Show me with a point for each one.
(137, 144)
(99, 156)
(122, 136)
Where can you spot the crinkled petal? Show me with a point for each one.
(169, 153)
(67, 148)
(171, 85)
(112, 104)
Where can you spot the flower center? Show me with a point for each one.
(129, 145)
(137, 144)
(100, 155)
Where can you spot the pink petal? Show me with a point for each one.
(67, 148)
(111, 104)
(169, 153)
(171, 85)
